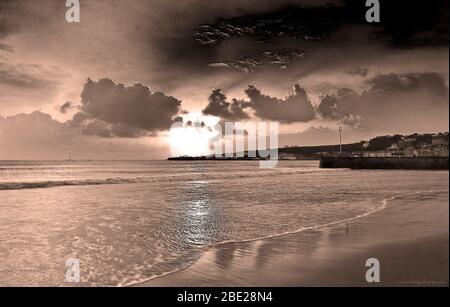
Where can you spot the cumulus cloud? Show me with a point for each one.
(111, 110)
(295, 108)
(342, 105)
(128, 106)
(220, 107)
(392, 100)
(85, 124)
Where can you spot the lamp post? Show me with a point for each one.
(340, 139)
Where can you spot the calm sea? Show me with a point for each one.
(131, 221)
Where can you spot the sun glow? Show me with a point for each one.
(193, 137)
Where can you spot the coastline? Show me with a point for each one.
(411, 232)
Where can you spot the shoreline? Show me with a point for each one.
(410, 232)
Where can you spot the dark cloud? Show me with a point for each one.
(97, 128)
(111, 110)
(394, 83)
(342, 105)
(411, 24)
(295, 108)
(392, 100)
(294, 22)
(220, 107)
(84, 124)
(6, 26)
(294, 25)
(127, 131)
(128, 106)
(68, 105)
(268, 39)
(421, 25)
(281, 59)
(8, 23)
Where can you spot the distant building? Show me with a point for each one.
(405, 147)
(287, 156)
(411, 152)
(439, 140)
(393, 147)
(407, 143)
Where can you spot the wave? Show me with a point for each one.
(52, 184)
(158, 177)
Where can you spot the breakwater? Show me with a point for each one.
(413, 163)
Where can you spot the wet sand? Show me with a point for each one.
(409, 238)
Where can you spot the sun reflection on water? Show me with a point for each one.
(199, 214)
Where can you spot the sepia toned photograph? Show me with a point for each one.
(205, 144)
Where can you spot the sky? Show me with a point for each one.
(111, 86)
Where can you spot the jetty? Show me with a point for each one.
(407, 163)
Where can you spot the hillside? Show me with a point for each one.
(380, 143)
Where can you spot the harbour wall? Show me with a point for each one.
(413, 163)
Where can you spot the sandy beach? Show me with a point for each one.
(409, 238)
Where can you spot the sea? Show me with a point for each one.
(127, 222)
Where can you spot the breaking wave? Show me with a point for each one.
(146, 179)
